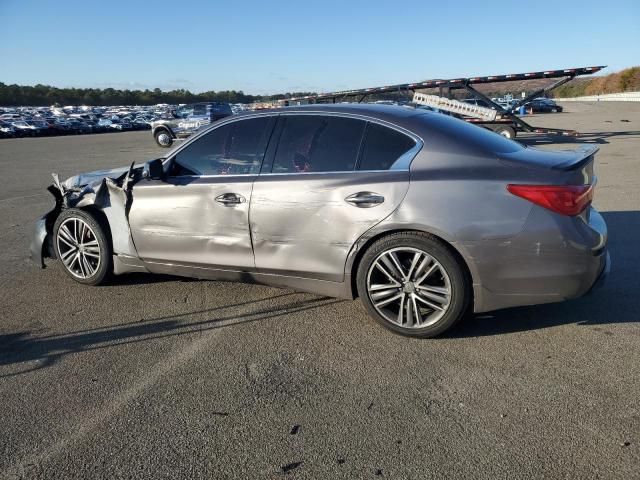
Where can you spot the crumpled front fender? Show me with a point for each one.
(38, 240)
(110, 195)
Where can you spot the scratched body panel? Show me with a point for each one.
(302, 225)
(297, 230)
(178, 221)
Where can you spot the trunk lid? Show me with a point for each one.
(568, 166)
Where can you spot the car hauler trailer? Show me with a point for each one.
(494, 117)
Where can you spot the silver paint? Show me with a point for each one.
(179, 221)
(303, 225)
(299, 230)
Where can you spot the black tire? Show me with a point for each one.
(505, 131)
(460, 285)
(554, 110)
(163, 138)
(100, 231)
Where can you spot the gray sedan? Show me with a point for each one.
(422, 216)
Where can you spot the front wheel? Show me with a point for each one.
(412, 284)
(163, 138)
(82, 246)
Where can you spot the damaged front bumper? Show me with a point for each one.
(39, 241)
(41, 246)
(107, 192)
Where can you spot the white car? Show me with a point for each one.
(24, 128)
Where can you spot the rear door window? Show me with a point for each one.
(382, 147)
(236, 148)
(316, 143)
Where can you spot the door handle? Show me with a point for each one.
(365, 199)
(230, 199)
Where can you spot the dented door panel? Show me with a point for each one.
(304, 225)
(183, 221)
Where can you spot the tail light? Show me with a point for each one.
(563, 199)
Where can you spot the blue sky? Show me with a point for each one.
(274, 46)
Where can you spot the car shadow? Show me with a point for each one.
(616, 302)
(139, 278)
(599, 138)
(39, 352)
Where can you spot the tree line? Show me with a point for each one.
(45, 95)
(627, 80)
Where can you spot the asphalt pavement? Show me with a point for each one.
(162, 377)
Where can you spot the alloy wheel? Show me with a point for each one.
(408, 287)
(78, 248)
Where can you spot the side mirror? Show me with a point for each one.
(153, 170)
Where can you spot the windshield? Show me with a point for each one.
(183, 112)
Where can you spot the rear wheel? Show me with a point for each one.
(82, 246)
(163, 138)
(505, 131)
(412, 284)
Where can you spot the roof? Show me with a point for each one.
(390, 113)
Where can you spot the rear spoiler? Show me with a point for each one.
(583, 155)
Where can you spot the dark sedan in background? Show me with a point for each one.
(422, 216)
(543, 105)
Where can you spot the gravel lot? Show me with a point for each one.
(159, 377)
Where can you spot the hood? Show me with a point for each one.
(92, 178)
(163, 121)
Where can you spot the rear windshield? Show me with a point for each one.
(473, 136)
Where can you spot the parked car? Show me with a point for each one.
(78, 126)
(543, 105)
(141, 124)
(422, 216)
(507, 104)
(10, 117)
(126, 124)
(182, 124)
(105, 125)
(92, 124)
(116, 123)
(24, 128)
(7, 130)
(40, 126)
